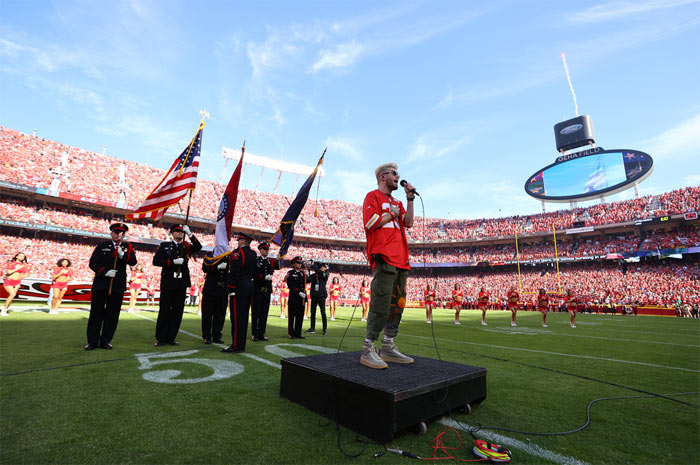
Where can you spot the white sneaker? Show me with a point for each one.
(332, 318)
(283, 317)
(53, 312)
(483, 323)
(513, 324)
(364, 320)
(390, 353)
(457, 322)
(4, 313)
(573, 326)
(428, 321)
(544, 326)
(370, 357)
(306, 318)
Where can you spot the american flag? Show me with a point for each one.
(596, 180)
(180, 178)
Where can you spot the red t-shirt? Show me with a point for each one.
(389, 241)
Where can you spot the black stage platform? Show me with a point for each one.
(380, 403)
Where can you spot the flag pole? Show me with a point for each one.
(205, 114)
(318, 184)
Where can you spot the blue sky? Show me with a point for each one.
(462, 94)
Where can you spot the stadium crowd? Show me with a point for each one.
(37, 162)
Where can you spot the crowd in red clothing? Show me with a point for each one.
(43, 163)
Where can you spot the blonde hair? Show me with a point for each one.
(384, 168)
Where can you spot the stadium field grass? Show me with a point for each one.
(59, 404)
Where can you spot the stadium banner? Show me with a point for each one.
(582, 229)
(38, 290)
(18, 186)
(51, 228)
(87, 199)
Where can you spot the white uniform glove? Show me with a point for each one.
(178, 261)
(302, 295)
(111, 273)
(221, 266)
(268, 277)
(232, 294)
(120, 252)
(186, 230)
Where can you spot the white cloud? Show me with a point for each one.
(354, 185)
(345, 147)
(341, 56)
(620, 9)
(679, 141)
(692, 180)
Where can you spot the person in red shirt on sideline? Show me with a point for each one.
(62, 274)
(136, 280)
(334, 292)
(457, 298)
(429, 298)
(483, 302)
(16, 270)
(572, 305)
(513, 298)
(385, 222)
(364, 299)
(543, 305)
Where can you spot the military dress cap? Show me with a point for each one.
(264, 245)
(297, 260)
(247, 237)
(176, 228)
(118, 227)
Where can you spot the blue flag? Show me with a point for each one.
(285, 233)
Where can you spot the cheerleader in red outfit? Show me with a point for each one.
(483, 301)
(572, 305)
(543, 306)
(513, 298)
(136, 280)
(307, 304)
(365, 293)
(457, 298)
(16, 270)
(334, 291)
(429, 298)
(62, 274)
(284, 299)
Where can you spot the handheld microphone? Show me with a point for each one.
(413, 191)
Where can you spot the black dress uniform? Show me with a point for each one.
(296, 281)
(107, 293)
(319, 293)
(242, 267)
(262, 290)
(174, 281)
(214, 300)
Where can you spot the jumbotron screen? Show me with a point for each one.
(589, 174)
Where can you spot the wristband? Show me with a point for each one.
(410, 199)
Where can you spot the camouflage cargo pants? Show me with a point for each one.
(387, 300)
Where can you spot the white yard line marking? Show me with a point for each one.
(590, 357)
(245, 354)
(532, 449)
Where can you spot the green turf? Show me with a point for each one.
(58, 406)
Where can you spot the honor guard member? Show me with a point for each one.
(108, 261)
(262, 290)
(172, 257)
(242, 267)
(319, 293)
(296, 281)
(214, 298)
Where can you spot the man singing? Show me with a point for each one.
(385, 222)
